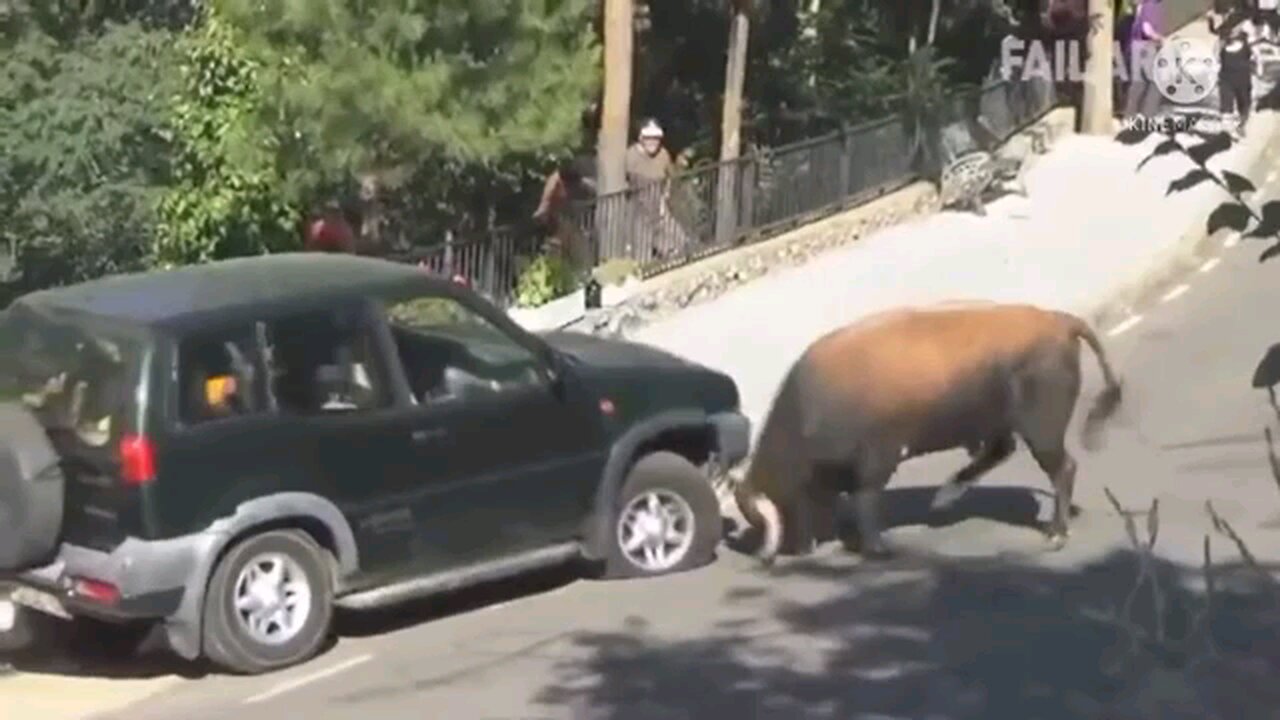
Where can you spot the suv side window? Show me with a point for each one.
(326, 361)
(218, 377)
(449, 351)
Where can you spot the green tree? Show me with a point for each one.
(84, 147)
(378, 89)
(228, 197)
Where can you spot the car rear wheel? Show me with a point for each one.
(269, 604)
(668, 519)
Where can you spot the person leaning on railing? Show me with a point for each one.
(565, 238)
(649, 169)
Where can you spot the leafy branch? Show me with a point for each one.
(1236, 214)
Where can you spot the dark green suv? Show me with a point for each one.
(229, 451)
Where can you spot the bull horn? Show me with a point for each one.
(761, 512)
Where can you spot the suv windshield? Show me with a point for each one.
(72, 377)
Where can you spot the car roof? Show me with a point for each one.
(166, 297)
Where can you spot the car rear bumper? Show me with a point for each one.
(138, 580)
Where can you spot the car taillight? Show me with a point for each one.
(96, 590)
(137, 460)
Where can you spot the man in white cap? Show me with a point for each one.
(647, 160)
(649, 168)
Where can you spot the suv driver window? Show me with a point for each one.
(450, 351)
(324, 362)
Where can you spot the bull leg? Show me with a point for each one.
(810, 519)
(991, 454)
(1047, 398)
(1061, 469)
(866, 508)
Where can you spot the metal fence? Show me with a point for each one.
(700, 212)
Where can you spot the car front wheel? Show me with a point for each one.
(668, 519)
(269, 604)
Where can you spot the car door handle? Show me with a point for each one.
(429, 435)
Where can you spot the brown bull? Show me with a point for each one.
(904, 383)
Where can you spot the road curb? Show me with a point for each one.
(1195, 245)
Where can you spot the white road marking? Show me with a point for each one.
(296, 683)
(1232, 240)
(1210, 264)
(1126, 325)
(1176, 292)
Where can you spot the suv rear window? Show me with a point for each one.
(72, 377)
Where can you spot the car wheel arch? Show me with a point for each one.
(316, 516)
(630, 446)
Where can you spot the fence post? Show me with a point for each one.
(490, 279)
(726, 208)
(748, 209)
(846, 162)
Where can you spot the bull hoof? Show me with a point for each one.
(1057, 541)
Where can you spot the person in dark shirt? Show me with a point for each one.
(1143, 97)
(563, 187)
(1235, 33)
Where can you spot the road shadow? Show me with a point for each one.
(909, 507)
(946, 640)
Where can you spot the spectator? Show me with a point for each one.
(1235, 34)
(647, 160)
(1267, 19)
(563, 187)
(330, 232)
(1143, 97)
(649, 168)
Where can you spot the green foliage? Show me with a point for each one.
(616, 271)
(228, 199)
(546, 278)
(84, 148)
(383, 83)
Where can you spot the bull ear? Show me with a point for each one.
(1268, 373)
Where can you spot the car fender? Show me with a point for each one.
(621, 455)
(184, 627)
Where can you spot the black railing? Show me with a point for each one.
(700, 212)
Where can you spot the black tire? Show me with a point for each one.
(227, 643)
(673, 476)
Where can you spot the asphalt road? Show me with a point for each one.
(975, 620)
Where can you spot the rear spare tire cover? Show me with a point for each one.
(31, 490)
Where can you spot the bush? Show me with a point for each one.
(543, 280)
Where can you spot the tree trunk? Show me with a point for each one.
(1096, 105)
(615, 115)
(735, 77)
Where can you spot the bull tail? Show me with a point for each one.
(1107, 401)
(761, 512)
